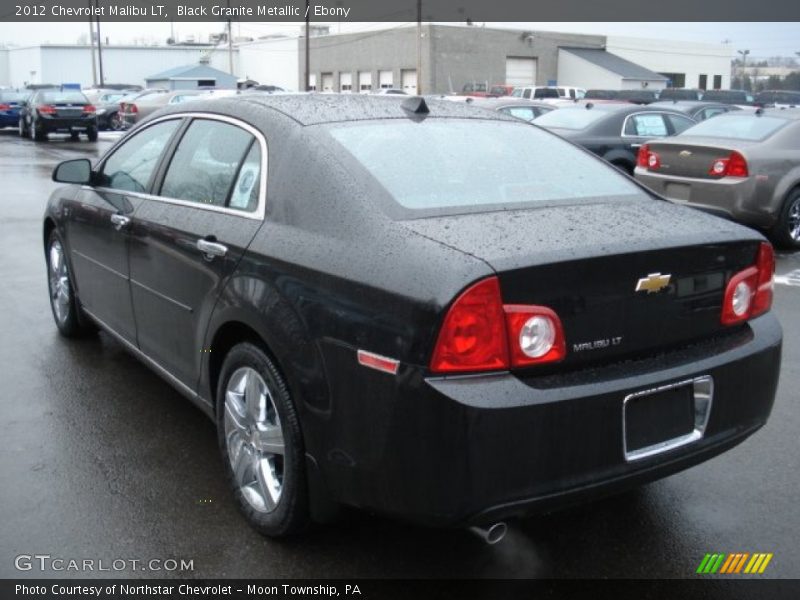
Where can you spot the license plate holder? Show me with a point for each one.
(667, 417)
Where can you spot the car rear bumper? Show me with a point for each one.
(9, 120)
(467, 450)
(745, 200)
(57, 124)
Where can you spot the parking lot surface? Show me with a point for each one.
(103, 460)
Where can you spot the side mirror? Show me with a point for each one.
(78, 170)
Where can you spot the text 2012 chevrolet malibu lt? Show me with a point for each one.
(377, 315)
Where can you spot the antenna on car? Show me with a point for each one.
(589, 105)
(416, 105)
(759, 111)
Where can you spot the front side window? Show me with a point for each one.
(206, 162)
(131, 165)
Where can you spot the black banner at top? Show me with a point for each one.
(399, 10)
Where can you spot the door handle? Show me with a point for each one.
(211, 249)
(636, 145)
(119, 221)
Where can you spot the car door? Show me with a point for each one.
(189, 236)
(98, 226)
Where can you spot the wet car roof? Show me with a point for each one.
(313, 109)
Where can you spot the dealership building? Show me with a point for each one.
(451, 56)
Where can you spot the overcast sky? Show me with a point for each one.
(762, 39)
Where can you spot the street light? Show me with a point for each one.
(744, 54)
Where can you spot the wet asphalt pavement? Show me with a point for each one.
(103, 460)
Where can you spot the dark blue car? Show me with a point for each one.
(10, 101)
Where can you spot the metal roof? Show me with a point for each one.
(615, 64)
(189, 71)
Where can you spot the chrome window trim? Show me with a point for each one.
(703, 396)
(257, 214)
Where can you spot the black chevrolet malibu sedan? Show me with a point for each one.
(421, 309)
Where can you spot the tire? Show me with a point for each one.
(115, 122)
(91, 133)
(267, 471)
(786, 233)
(37, 133)
(67, 313)
(22, 129)
(74, 136)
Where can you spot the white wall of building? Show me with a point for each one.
(667, 56)
(121, 64)
(271, 62)
(5, 76)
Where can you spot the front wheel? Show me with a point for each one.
(261, 443)
(65, 306)
(786, 232)
(91, 133)
(115, 122)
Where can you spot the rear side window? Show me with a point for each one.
(521, 112)
(131, 165)
(433, 165)
(646, 125)
(206, 162)
(679, 123)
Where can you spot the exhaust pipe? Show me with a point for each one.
(491, 534)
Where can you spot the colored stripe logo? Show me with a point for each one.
(735, 563)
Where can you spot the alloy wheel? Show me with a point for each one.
(254, 439)
(60, 296)
(793, 220)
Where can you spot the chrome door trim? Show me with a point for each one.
(184, 389)
(257, 214)
(703, 395)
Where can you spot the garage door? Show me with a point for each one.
(386, 79)
(364, 82)
(520, 71)
(327, 82)
(345, 83)
(408, 78)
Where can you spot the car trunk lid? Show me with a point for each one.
(692, 157)
(627, 279)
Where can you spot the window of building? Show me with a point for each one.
(717, 82)
(702, 82)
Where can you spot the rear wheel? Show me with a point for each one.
(37, 133)
(74, 136)
(91, 133)
(23, 130)
(115, 122)
(786, 232)
(65, 306)
(260, 439)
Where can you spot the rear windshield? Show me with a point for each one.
(67, 97)
(737, 127)
(725, 96)
(7, 96)
(571, 118)
(600, 95)
(446, 163)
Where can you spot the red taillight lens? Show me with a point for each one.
(479, 333)
(133, 109)
(473, 335)
(535, 335)
(733, 165)
(89, 109)
(749, 292)
(647, 158)
(46, 109)
(5, 107)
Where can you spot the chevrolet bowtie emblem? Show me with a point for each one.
(685, 153)
(654, 282)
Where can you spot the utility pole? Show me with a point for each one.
(230, 44)
(91, 45)
(307, 76)
(99, 48)
(744, 54)
(419, 47)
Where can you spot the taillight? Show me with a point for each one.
(733, 165)
(89, 109)
(479, 333)
(749, 292)
(133, 109)
(473, 335)
(648, 159)
(534, 334)
(46, 109)
(5, 107)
